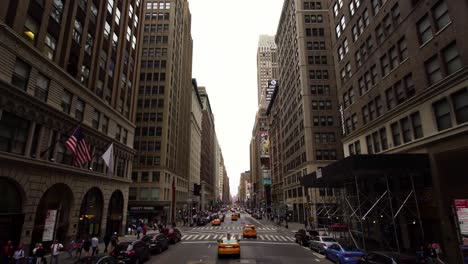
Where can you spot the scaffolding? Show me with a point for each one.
(376, 204)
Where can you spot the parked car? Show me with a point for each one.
(157, 243)
(172, 234)
(301, 237)
(343, 254)
(381, 257)
(338, 227)
(132, 252)
(320, 243)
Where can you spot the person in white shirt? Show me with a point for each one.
(19, 255)
(94, 244)
(55, 248)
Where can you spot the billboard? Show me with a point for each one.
(270, 90)
(266, 174)
(264, 144)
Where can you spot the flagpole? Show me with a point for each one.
(74, 128)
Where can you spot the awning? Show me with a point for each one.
(342, 171)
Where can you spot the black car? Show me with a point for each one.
(381, 257)
(157, 243)
(132, 252)
(302, 238)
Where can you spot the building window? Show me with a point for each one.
(370, 149)
(460, 105)
(21, 74)
(49, 47)
(434, 74)
(125, 136)
(383, 138)
(84, 74)
(79, 112)
(395, 134)
(351, 9)
(451, 58)
(118, 132)
(77, 31)
(96, 119)
(424, 29)
(143, 194)
(66, 101)
(155, 194)
(406, 129)
(89, 44)
(42, 88)
(57, 10)
(417, 125)
(105, 125)
(376, 142)
(402, 48)
(440, 13)
(14, 132)
(385, 65)
(132, 193)
(442, 114)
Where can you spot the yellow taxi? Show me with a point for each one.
(229, 246)
(249, 231)
(216, 222)
(234, 217)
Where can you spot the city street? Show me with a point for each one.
(274, 244)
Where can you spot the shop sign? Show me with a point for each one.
(142, 208)
(461, 205)
(49, 225)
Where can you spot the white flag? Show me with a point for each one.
(108, 158)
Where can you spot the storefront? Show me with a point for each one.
(91, 213)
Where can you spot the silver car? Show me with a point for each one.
(320, 243)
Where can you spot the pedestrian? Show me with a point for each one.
(145, 230)
(19, 255)
(86, 246)
(420, 255)
(107, 238)
(40, 253)
(138, 231)
(114, 240)
(431, 254)
(94, 245)
(71, 247)
(8, 252)
(34, 253)
(78, 247)
(55, 250)
(305, 224)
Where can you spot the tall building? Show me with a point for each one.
(243, 187)
(162, 138)
(267, 66)
(307, 108)
(66, 64)
(195, 143)
(403, 90)
(226, 191)
(260, 161)
(221, 172)
(208, 167)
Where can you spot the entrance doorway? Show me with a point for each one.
(115, 213)
(11, 216)
(58, 197)
(91, 213)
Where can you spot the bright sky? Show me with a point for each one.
(225, 37)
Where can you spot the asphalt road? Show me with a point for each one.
(274, 245)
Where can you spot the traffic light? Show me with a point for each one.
(196, 189)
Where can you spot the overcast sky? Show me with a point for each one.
(225, 37)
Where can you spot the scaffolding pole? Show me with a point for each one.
(391, 210)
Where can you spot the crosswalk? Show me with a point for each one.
(214, 237)
(234, 228)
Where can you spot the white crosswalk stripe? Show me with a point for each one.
(214, 237)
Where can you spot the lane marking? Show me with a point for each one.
(318, 255)
(317, 260)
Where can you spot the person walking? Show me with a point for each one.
(71, 247)
(145, 230)
(114, 240)
(78, 247)
(86, 246)
(40, 253)
(18, 256)
(55, 249)
(107, 238)
(138, 231)
(8, 252)
(94, 245)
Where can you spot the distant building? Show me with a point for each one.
(267, 66)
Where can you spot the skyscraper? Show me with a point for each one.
(66, 64)
(267, 66)
(306, 108)
(162, 137)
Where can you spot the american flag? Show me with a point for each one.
(77, 145)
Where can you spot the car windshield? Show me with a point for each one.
(350, 248)
(229, 241)
(328, 239)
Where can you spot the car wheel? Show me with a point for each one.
(301, 243)
(160, 250)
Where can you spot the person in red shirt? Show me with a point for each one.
(8, 252)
